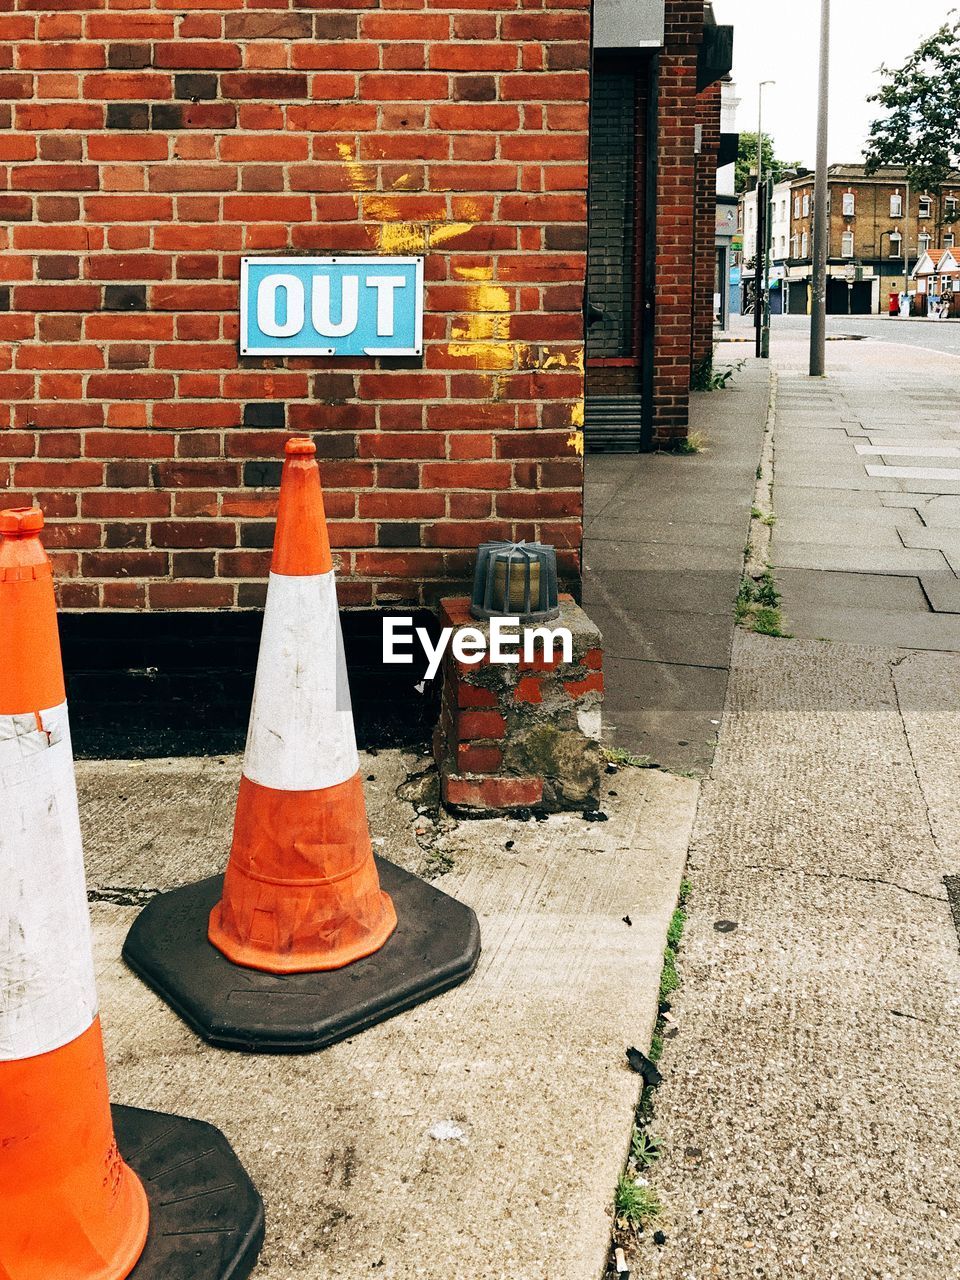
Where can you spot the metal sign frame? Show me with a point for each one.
(366, 264)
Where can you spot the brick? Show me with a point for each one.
(125, 297)
(478, 759)
(493, 793)
(15, 208)
(480, 724)
(128, 115)
(265, 84)
(195, 86)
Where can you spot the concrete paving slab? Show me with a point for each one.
(696, 591)
(810, 1110)
(482, 1133)
(913, 473)
(658, 635)
(854, 559)
(941, 512)
(682, 533)
(852, 590)
(942, 591)
(874, 627)
(662, 557)
(791, 499)
(847, 533)
(667, 711)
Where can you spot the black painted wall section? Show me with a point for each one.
(167, 684)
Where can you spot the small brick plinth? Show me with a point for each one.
(524, 735)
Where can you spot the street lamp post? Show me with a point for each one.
(821, 232)
(761, 316)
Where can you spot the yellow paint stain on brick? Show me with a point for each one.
(576, 414)
(441, 233)
(575, 442)
(361, 178)
(403, 181)
(490, 297)
(484, 355)
(474, 273)
(402, 237)
(481, 328)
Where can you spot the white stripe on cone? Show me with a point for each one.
(301, 735)
(47, 992)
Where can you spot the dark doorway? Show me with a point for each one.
(614, 303)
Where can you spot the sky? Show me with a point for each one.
(777, 40)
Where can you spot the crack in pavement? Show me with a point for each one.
(845, 875)
(123, 896)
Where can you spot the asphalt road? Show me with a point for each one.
(934, 335)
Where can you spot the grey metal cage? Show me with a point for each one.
(516, 580)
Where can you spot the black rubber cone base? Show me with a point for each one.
(206, 1216)
(435, 946)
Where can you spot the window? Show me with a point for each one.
(923, 242)
(948, 241)
(950, 208)
(926, 206)
(896, 205)
(846, 244)
(806, 206)
(804, 242)
(896, 244)
(849, 204)
(794, 241)
(796, 206)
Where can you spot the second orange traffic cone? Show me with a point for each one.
(308, 937)
(71, 1206)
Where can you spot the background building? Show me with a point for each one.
(876, 236)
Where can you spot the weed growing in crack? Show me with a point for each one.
(757, 607)
(635, 1205)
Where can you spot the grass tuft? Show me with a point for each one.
(635, 1205)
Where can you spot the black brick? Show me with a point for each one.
(125, 297)
(269, 414)
(128, 115)
(5, 298)
(257, 535)
(195, 86)
(165, 115)
(398, 535)
(332, 444)
(262, 475)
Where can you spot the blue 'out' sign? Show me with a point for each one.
(331, 306)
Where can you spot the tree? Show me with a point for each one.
(921, 101)
(746, 172)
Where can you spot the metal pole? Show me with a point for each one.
(906, 246)
(821, 231)
(767, 241)
(758, 256)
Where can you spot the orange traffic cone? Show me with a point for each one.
(71, 1208)
(301, 891)
(301, 908)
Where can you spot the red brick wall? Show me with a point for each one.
(145, 146)
(705, 228)
(675, 217)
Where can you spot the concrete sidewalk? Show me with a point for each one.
(810, 1109)
(478, 1136)
(663, 553)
